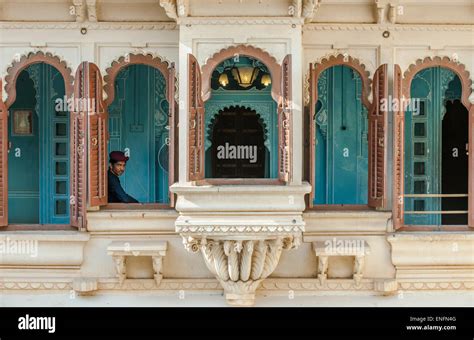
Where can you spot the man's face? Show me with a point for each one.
(118, 168)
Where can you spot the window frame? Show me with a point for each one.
(168, 71)
(377, 130)
(200, 91)
(13, 72)
(402, 91)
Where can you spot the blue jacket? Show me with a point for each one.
(116, 192)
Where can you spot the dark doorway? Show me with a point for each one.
(238, 149)
(455, 162)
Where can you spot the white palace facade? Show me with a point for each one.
(359, 190)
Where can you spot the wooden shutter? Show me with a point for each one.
(78, 152)
(471, 168)
(3, 161)
(398, 152)
(195, 122)
(378, 139)
(172, 132)
(97, 141)
(284, 123)
(313, 97)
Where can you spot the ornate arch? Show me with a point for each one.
(247, 51)
(344, 60)
(458, 68)
(34, 58)
(133, 59)
(262, 111)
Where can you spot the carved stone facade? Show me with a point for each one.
(245, 239)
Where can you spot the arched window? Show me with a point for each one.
(246, 79)
(347, 134)
(140, 103)
(39, 157)
(433, 134)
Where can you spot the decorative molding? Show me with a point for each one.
(119, 250)
(170, 8)
(182, 8)
(325, 249)
(150, 26)
(388, 27)
(240, 265)
(240, 21)
(244, 50)
(85, 286)
(122, 62)
(346, 60)
(445, 62)
(240, 229)
(270, 285)
(83, 6)
(14, 70)
(309, 9)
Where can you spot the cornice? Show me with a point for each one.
(240, 21)
(389, 27)
(91, 25)
(280, 285)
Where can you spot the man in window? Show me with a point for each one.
(118, 161)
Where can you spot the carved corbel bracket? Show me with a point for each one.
(241, 263)
(354, 248)
(120, 250)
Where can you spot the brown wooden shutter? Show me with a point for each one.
(313, 97)
(172, 132)
(378, 139)
(3, 161)
(195, 122)
(398, 151)
(78, 152)
(284, 123)
(471, 169)
(98, 135)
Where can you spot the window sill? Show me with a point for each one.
(137, 220)
(37, 227)
(422, 228)
(136, 206)
(239, 181)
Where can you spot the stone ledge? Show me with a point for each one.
(46, 249)
(436, 249)
(241, 198)
(123, 221)
(367, 222)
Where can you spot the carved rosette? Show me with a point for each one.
(240, 265)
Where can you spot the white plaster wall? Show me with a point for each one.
(101, 45)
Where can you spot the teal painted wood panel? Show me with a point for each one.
(138, 125)
(430, 88)
(38, 164)
(341, 139)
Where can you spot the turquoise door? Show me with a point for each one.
(138, 125)
(341, 139)
(430, 90)
(38, 159)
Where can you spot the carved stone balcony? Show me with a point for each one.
(240, 231)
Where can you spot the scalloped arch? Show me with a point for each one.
(31, 58)
(227, 107)
(458, 68)
(133, 59)
(244, 50)
(341, 59)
